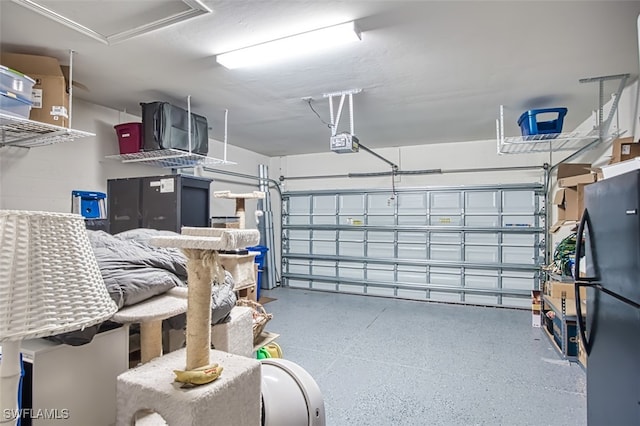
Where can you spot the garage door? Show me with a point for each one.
(478, 244)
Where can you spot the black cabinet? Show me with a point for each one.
(158, 202)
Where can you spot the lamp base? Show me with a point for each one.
(9, 383)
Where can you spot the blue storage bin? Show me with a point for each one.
(530, 126)
(89, 204)
(13, 104)
(259, 260)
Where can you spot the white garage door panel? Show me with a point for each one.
(410, 277)
(380, 220)
(481, 299)
(474, 281)
(481, 254)
(324, 220)
(324, 204)
(412, 203)
(298, 246)
(482, 238)
(412, 237)
(351, 249)
(323, 247)
(477, 245)
(351, 288)
(380, 275)
(352, 204)
(483, 221)
(416, 220)
(380, 204)
(518, 202)
(324, 269)
(299, 220)
(381, 291)
(412, 294)
(445, 220)
(524, 255)
(351, 273)
(445, 252)
(439, 296)
(412, 251)
(446, 238)
(300, 205)
(445, 202)
(481, 202)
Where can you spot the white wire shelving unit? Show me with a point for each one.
(169, 158)
(25, 133)
(571, 141)
(576, 141)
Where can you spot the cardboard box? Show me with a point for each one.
(570, 204)
(555, 290)
(536, 308)
(624, 149)
(566, 170)
(49, 94)
(571, 181)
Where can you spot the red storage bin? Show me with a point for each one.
(129, 137)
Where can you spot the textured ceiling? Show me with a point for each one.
(430, 71)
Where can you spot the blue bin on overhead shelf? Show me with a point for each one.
(529, 124)
(260, 261)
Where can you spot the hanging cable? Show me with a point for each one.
(316, 112)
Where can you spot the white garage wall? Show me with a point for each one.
(42, 178)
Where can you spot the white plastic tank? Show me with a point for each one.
(290, 396)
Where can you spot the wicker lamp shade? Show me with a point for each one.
(50, 282)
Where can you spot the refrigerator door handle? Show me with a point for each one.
(581, 323)
(584, 220)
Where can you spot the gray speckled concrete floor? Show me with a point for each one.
(394, 362)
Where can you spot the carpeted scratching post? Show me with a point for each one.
(201, 246)
(240, 212)
(232, 399)
(149, 314)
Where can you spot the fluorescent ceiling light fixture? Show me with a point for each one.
(293, 46)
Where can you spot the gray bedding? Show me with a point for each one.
(134, 270)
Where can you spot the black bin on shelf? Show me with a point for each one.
(158, 202)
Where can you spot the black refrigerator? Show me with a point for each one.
(609, 322)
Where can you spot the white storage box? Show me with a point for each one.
(622, 167)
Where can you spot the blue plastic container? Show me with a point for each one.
(530, 126)
(89, 204)
(259, 260)
(14, 105)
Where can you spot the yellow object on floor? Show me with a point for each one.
(274, 350)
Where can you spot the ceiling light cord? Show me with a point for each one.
(329, 125)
